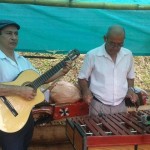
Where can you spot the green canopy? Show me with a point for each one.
(59, 29)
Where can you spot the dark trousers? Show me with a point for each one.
(18, 140)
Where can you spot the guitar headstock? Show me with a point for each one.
(73, 54)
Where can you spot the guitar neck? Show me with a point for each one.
(44, 77)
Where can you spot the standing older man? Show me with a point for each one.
(107, 75)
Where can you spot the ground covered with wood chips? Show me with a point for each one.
(142, 67)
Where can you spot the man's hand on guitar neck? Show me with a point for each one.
(61, 72)
(67, 67)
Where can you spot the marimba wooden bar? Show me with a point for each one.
(122, 131)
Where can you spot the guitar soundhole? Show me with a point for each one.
(27, 84)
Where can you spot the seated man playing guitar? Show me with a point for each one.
(14, 97)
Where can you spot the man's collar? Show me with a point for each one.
(2, 55)
(103, 51)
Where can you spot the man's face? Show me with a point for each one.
(114, 44)
(9, 37)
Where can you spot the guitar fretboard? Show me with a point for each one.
(43, 78)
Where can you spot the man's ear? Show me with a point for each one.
(105, 38)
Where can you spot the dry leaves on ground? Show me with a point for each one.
(142, 68)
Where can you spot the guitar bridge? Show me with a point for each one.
(9, 105)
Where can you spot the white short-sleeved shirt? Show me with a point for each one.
(9, 69)
(108, 80)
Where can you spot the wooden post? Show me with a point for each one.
(82, 4)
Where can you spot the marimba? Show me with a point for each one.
(122, 131)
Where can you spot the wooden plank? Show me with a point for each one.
(93, 141)
(116, 126)
(112, 148)
(119, 124)
(143, 147)
(78, 140)
(128, 121)
(105, 123)
(82, 4)
(49, 134)
(61, 146)
(70, 132)
(99, 130)
(91, 128)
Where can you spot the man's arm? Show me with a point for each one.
(86, 93)
(24, 91)
(130, 83)
(130, 93)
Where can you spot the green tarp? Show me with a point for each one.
(60, 29)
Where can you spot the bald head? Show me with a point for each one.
(115, 30)
(114, 39)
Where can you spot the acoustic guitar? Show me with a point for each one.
(15, 110)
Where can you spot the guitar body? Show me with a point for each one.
(10, 123)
